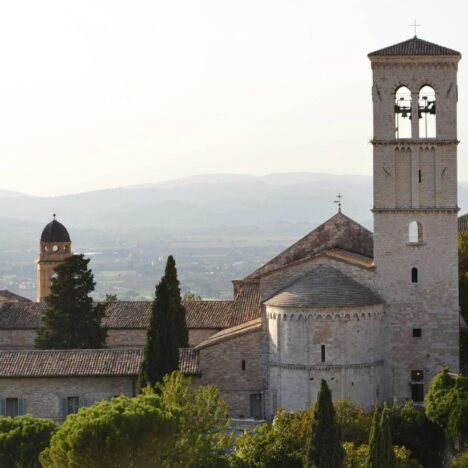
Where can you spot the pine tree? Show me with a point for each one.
(323, 443)
(72, 320)
(161, 353)
(381, 454)
(177, 309)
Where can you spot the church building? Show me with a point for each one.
(374, 314)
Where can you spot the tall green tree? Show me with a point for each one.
(180, 330)
(323, 443)
(381, 454)
(72, 320)
(167, 331)
(161, 353)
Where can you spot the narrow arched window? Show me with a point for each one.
(322, 351)
(403, 112)
(427, 112)
(415, 234)
(414, 275)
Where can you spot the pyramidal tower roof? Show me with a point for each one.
(414, 46)
(339, 232)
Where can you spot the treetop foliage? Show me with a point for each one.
(323, 444)
(22, 439)
(181, 426)
(72, 320)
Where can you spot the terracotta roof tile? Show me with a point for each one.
(70, 362)
(229, 333)
(413, 46)
(339, 232)
(188, 361)
(324, 287)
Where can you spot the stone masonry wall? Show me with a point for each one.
(221, 365)
(42, 396)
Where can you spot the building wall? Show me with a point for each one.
(400, 197)
(43, 396)
(353, 355)
(221, 365)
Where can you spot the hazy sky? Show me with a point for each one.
(96, 94)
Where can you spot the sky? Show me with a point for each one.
(107, 93)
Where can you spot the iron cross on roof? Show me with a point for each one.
(339, 197)
(415, 26)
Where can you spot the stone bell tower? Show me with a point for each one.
(414, 97)
(54, 248)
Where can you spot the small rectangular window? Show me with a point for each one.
(419, 175)
(322, 351)
(414, 275)
(73, 405)
(243, 364)
(11, 407)
(417, 333)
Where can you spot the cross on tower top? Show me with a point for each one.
(338, 201)
(415, 26)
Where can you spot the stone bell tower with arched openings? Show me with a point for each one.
(414, 95)
(54, 248)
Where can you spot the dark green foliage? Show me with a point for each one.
(161, 354)
(202, 422)
(22, 439)
(126, 432)
(276, 445)
(381, 454)
(463, 294)
(447, 405)
(461, 461)
(181, 426)
(71, 320)
(412, 429)
(323, 443)
(167, 330)
(177, 309)
(353, 421)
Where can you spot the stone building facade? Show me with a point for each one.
(374, 314)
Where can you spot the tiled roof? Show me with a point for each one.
(21, 314)
(136, 314)
(324, 287)
(246, 305)
(188, 361)
(339, 232)
(70, 362)
(414, 46)
(463, 223)
(232, 332)
(6, 295)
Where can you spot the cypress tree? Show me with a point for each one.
(323, 443)
(177, 309)
(373, 456)
(381, 454)
(72, 320)
(161, 353)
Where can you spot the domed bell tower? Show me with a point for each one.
(415, 142)
(54, 248)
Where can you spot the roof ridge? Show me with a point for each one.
(414, 46)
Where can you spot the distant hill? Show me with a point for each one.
(206, 201)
